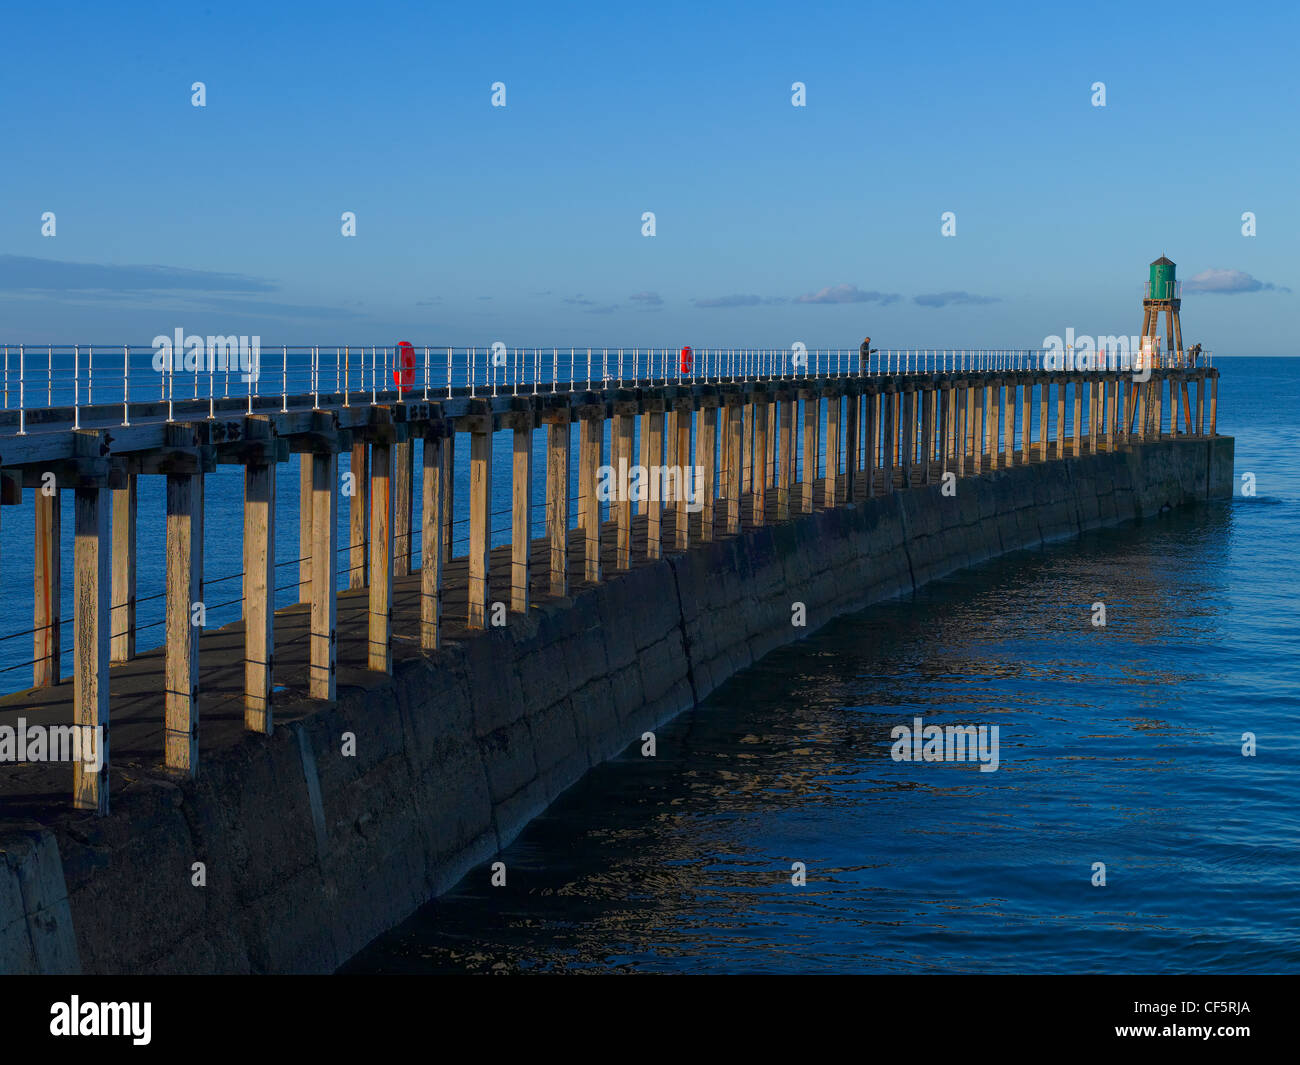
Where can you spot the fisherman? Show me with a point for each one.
(864, 353)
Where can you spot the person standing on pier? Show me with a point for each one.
(864, 353)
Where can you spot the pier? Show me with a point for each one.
(931, 444)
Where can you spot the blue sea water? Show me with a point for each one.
(1120, 745)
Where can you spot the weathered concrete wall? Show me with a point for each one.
(310, 855)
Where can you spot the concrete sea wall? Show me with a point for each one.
(309, 854)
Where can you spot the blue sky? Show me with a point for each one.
(523, 223)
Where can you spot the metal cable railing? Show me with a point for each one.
(112, 384)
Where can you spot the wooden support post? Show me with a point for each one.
(480, 522)
(1026, 404)
(784, 417)
(706, 450)
(434, 487)
(586, 489)
(929, 405)
(259, 595)
(384, 458)
(622, 463)
(724, 421)
(403, 511)
(1092, 417)
(1187, 406)
(997, 421)
(1200, 405)
(557, 503)
(895, 437)
(770, 453)
(521, 516)
(734, 458)
(184, 593)
(908, 456)
(945, 429)
(323, 650)
(592, 446)
(851, 446)
(889, 448)
(1108, 388)
(1061, 386)
(48, 587)
(359, 516)
(686, 485)
(654, 511)
(873, 442)
(969, 432)
(977, 445)
(449, 492)
(1008, 423)
(834, 411)
(1214, 405)
(304, 528)
(758, 494)
(990, 424)
(92, 589)
(122, 628)
(643, 504)
(1044, 397)
(747, 453)
(811, 418)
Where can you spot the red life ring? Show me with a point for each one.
(688, 360)
(404, 374)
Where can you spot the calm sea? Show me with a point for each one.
(1120, 745)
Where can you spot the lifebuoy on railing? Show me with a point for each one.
(404, 374)
(688, 360)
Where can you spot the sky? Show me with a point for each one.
(523, 223)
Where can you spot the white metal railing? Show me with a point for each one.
(108, 384)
